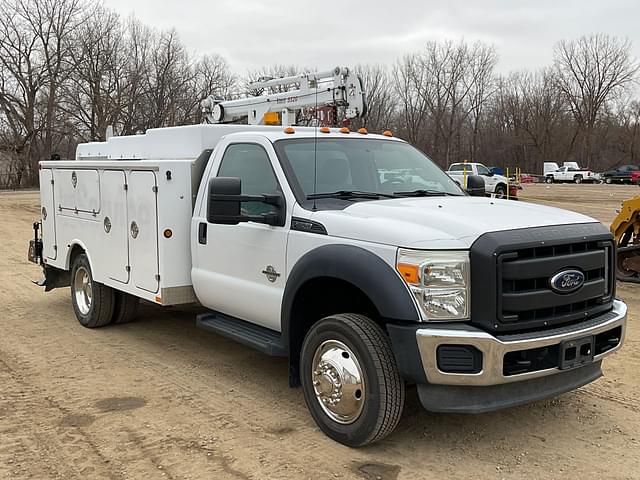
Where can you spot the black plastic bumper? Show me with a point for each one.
(480, 399)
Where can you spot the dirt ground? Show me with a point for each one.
(158, 398)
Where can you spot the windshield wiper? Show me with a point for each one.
(348, 194)
(426, 193)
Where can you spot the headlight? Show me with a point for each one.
(439, 280)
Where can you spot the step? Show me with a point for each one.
(262, 339)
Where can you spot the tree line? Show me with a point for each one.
(70, 69)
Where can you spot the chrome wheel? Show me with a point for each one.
(82, 290)
(338, 381)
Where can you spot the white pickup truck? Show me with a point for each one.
(570, 174)
(353, 255)
(497, 185)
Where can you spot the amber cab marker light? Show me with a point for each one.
(325, 130)
(168, 233)
(289, 130)
(362, 131)
(387, 133)
(345, 130)
(408, 272)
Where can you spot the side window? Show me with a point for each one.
(482, 170)
(456, 167)
(251, 164)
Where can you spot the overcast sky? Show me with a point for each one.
(322, 34)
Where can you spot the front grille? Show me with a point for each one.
(516, 270)
(524, 293)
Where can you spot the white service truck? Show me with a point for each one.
(353, 255)
(497, 185)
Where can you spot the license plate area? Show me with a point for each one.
(575, 353)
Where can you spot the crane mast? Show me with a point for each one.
(321, 98)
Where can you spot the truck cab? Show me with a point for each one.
(495, 184)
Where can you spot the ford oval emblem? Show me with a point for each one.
(566, 281)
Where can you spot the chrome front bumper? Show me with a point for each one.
(494, 349)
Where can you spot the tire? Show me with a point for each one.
(608, 180)
(500, 191)
(376, 389)
(93, 302)
(577, 179)
(549, 179)
(125, 308)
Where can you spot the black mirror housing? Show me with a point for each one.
(475, 186)
(225, 199)
(227, 211)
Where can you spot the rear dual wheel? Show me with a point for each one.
(94, 303)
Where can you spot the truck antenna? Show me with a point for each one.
(315, 151)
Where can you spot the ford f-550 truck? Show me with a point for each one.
(351, 254)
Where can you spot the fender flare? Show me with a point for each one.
(357, 266)
(73, 243)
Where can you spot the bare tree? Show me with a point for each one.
(592, 71)
(380, 96)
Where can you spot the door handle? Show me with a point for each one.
(202, 233)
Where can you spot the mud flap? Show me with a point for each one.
(54, 278)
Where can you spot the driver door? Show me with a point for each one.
(239, 270)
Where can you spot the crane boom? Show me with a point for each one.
(339, 89)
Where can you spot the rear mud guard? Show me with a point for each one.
(54, 278)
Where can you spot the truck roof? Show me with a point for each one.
(187, 142)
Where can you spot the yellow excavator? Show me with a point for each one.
(626, 232)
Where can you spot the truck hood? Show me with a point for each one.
(438, 222)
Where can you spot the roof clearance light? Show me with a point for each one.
(325, 130)
(387, 133)
(345, 130)
(362, 131)
(289, 130)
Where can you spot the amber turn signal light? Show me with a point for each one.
(408, 272)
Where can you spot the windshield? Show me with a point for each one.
(373, 166)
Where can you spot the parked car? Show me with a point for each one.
(570, 174)
(620, 174)
(493, 183)
(635, 178)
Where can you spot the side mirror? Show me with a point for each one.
(225, 199)
(225, 211)
(475, 186)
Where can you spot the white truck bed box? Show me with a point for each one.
(121, 198)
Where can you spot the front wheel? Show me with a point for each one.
(350, 380)
(608, 180)
(549, 179)
(501, 191)
(93, 302)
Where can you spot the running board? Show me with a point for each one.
(262, 339)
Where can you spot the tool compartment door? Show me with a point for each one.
(115, 229)
(143, 230)
(48, 214)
